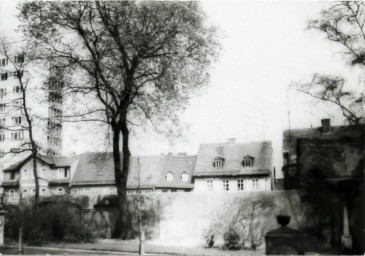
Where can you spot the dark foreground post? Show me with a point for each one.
(20, 249)
(141, 243)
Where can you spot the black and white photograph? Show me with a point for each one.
(202, 128)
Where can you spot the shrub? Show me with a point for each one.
(53, 221)
(231, 239)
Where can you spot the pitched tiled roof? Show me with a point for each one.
(59, 181)
(11, 162)
(290, 136)
(21, 159)
(233, 154)
(177, 165)
(98, 169)
(13, 183)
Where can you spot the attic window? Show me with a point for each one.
(247, 161)
(184, 177)
(169, 176)
(218, 162)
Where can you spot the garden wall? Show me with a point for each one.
(188, 218)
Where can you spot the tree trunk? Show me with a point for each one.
(121, 168)
(36, 196)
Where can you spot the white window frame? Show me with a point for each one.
(218, 163)
(12, 194)
(255, 184)
(43, 192)
(226, 185)
(169, 176)
(210, 185)
(60, 191)
(25, 174)
(240, 184)
(43, 172)
(185, 177)
(61, 173)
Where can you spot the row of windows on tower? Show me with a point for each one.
(16, 89)
(18, 135)
(248, 161)
(240, 184)
(16, 104)
(4, 76)
(17, 59)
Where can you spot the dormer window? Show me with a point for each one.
(169, 176)
(184, 177)
(247, 161)
(218, 162)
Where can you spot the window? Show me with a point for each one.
(4, 76)
(2, 136)
(255, 184)
(43, 173)
(164, 191)
(225, 185)
(184, 177)
(173, 190)
(25, 191)
(2, 92)
(2, 122)
(2, 153)
(17, 89)
(15, 150)
(19, 58)
(169, 176)
(17, 135)
(247, 161)
(112, 191)
(4, 62)
(18, 73)
(17, 120)
(210, 185)
(17, 103)
(43, 192)
(61, 173)
(240, 184)
(218, 162)
(12, 176)
(60, 191)
(12, 194)
(2, 107)
(25, 174)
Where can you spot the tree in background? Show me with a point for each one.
(342, 23)
(139, 61)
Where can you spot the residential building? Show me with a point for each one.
(54, 175)
(233, 166)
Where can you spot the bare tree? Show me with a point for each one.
(19, 106)
(140, 60)
(331, 89)
(342, 23)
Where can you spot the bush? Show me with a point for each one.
(231, 240)
(53, 221)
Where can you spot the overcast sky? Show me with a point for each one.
(265, 47)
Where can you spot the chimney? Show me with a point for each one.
(182, 154)
(326, 125)
(231, 140)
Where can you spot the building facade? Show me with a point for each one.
(232, 167)
(43, 97)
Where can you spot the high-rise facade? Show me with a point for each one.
(44, 104)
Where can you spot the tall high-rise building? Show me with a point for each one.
(44, 104)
